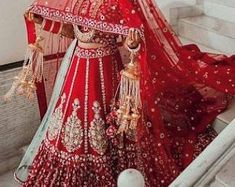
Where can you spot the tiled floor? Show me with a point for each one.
(7, 180)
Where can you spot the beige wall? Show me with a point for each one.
(12, 30)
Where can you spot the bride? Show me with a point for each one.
(152, 113)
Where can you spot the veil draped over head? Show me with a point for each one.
(182, 88)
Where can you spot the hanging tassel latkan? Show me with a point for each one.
(128, 113)
(32, 71)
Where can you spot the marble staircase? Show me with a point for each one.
(212, 25)
(222, 9)
(213, 31)
(209, 31)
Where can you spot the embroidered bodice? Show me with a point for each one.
(88, 35)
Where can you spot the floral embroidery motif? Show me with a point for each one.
(97, 134)
(72, 132)
(56, 120)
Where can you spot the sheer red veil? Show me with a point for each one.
(182, 88)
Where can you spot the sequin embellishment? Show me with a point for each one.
(97, 135)
(56, 120)
(72, 132)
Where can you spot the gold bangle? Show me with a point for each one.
(61, 29)
(133, 50)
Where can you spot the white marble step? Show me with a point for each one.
(208, 31)
(226, 175)
(202, 47)
(225, 118)
(223, 9)
(183, 11)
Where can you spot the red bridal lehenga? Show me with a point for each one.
(181, 91)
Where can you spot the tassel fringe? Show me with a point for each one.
(32, 71)
(129, 99)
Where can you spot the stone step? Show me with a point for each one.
(226, 175)
(183, 11)
(226, 117)
(202, 47)
(211, 32)
(223, 9)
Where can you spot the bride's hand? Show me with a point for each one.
(133, 38)
(33, 17)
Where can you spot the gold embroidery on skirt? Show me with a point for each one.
(72, 132)
(56, 120)
(97, 134)
(131, 135)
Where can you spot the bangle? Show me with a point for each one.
(56, 27)
(47, 25)
(61, 28)
(134, 50)
(52, 26)
(43, 23)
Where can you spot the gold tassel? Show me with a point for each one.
(129, 99)
(24, 83)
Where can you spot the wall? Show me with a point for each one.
(12, 30)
